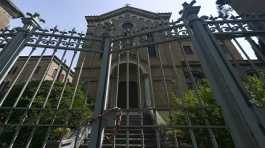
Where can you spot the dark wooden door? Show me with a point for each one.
(133, 95)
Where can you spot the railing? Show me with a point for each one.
(164, 95)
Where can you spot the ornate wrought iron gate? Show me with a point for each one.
(42, 105)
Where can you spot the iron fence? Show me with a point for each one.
(156, 87)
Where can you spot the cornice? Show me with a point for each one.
(126, 9)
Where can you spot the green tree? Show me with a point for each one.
(256, 89)
(198, 105)
(76, 112)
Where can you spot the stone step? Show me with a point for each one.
(131, 137)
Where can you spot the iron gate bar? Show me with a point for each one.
(128, 95)
(256, 49)
(54, 39)
(18, 99)
(239, 115)
(17, 77)
(199, 97)
(62, 34)
(42, 80)
(34, 96)
(10, 54)
(79, 47)
(219, 28)
(118, 78)
(187, 116)
(234, 61)
(164, 78)
(195, 126)
(258, 71)
(140, 95)
(77, 82)
(252, 65)
(187, 37)
(100, 105)
(153, 102)
(15, 80)
(46, 102)
(5, 36)
(153, 43)
(67, 48)
(37, 45)
(72, 32)
(3, 99)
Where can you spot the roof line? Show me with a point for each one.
(56, 59)
(128, 8)
(11, 8)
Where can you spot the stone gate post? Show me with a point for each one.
(243, 123)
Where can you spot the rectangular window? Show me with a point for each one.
(37, 70)
(4, 86)
(61, 77)
(14, 70)
(187, 49)
(152, 50)
(226, 51)
(54, 73)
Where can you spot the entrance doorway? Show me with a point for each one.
(133, 95)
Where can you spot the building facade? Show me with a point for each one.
(170, 54)
(142, 78)
(251, 7)
(8, 11)
(248, 6)
(47, 69)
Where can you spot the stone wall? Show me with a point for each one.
(4, 18)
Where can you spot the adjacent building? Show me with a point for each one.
(248, 6)
(50, 68)
(251, 7)
(8, 11)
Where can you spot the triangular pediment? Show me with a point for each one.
(130, 10)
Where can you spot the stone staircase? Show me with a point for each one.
(131, 134)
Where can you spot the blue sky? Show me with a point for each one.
(71, 13)
(68, 14)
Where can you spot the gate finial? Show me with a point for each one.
(55, 29)
(35, 16)
(189, 11)
(187, 6)
(73, 31)
(32, 20)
